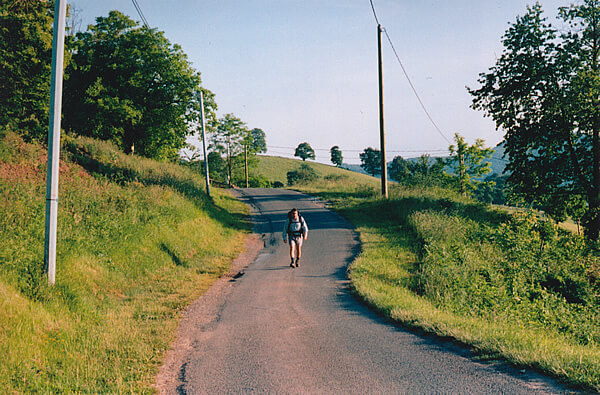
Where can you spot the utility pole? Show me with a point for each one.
(204, 144)
(384, 183)
(56, 83)
(246, 162)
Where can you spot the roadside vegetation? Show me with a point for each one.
(138, 240)
(510, 285)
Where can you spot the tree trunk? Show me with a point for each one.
(461, 171)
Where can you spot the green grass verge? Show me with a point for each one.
(137, 242)
(385, 276)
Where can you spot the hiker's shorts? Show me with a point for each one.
(296, 239)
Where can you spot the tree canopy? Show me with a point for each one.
(229, 139)
(544, 93)
(468, 161)
(336, 156)
(25, 60)
(304, 151)
(129, 84)
(371, 161)
(258, 141)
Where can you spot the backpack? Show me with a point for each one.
(300, 219)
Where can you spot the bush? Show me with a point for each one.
(277, 184)
(524, 266)
(259, 181)
(304, 174)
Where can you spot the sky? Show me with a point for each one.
(306, 70)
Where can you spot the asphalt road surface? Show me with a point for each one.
(284, 330)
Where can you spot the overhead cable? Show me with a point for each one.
(140, 13)
(408, 78)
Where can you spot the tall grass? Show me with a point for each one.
(137, 241)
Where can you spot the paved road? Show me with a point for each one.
(284, 330)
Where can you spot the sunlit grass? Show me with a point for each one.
(138, 241)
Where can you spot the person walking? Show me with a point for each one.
(295, 231)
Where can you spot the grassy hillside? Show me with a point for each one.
(332, 178)
(137, 241)
(509, 284)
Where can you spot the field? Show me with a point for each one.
(507, 284)
(138, 240)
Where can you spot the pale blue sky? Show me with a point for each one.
(306, 70)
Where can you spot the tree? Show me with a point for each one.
(336, 156)
(371, 161)
(25, 54)
(229, 139)
(304, 151)
(424, 167)
(468, 161)
(544, 92)
(399, 169)
(258, 143)
(129, 84)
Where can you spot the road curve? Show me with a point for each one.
(284, 330)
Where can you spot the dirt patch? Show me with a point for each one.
(200, 313)
(20, 172)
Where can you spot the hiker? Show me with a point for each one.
(296, 231)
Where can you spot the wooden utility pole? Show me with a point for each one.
(56, 84)
(384, 183)
(246, 163)
(206, 175)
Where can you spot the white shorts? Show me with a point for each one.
(296, 239)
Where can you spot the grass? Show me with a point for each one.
(386, 275)
(505, 283)
(137, 242)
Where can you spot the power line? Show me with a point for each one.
(140, 13)
(414, 90)
(374, 13)
(359, 150)
(408, 78)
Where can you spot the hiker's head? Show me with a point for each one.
(293, 214)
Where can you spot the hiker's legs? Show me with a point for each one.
(298, 243)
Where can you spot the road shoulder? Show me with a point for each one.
(200, 314)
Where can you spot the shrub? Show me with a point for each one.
(304, 174)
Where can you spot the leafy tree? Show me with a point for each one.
(468, 161)
(25, 61)
(399, 169)
(336, 156)
(229, 139)
(371, 161)
(544, 92)
(258, 141)
(129, 84)
(216, 166)
(491, 190)
(420, 170)
(424, 167)
(304, 151)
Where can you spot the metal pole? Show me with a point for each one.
(204, 145)
(384, 183)
(56, 82)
